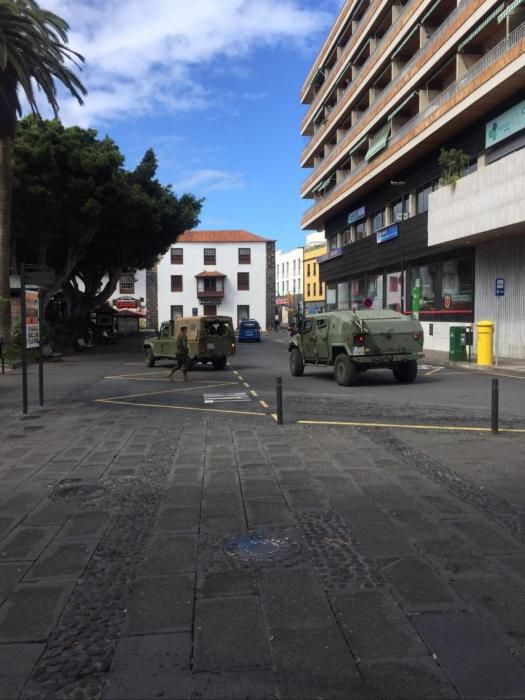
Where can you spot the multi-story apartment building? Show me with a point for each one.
(288, 282)
(313, 288)
(393, 84)
(214, 272)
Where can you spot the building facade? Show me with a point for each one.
(313, 288)
(216, 272)
(416, 126)
(289, 283)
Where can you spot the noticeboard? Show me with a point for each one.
(32, 320)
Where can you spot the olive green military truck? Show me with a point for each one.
(210, 339)
(354, 341)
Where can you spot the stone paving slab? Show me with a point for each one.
(16, 664)
(232, 685)
(150, 666)
(230, 634)
(26, 543)
(161, 604)
(62, 560)
(419, 588)
(407, 679)
(10, 575)
(476, 661)
(31, 611)
(169, 554)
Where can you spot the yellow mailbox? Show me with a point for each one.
(485, 342)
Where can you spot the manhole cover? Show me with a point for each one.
(259, 548)
(76, 490)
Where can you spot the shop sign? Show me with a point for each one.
(32, 320)
(387, 233)
(356, 215)
(335, 253)
(506, 124)
(281, 301)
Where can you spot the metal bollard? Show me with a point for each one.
(495, 406)
(279, 391)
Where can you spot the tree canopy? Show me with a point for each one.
(78, 210)
(33, 51)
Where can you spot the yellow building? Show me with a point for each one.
(313, 288)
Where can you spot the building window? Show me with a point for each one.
(176, 312)
(425, 277)
(307, 290)
(422, 195)
(127, 283)
(177, 256)
(457, 285)
(293, 272)
(209, 284)
(245, 256)
(315, 289)
(397, 209)
(243, 312)
(313, 268)
(209, 256)
(243, 281)
(176, 283)
(308, 270)
(377, 220)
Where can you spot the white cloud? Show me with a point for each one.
(146, 56)
(206, 180)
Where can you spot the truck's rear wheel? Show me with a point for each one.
(405, 372)
(219, 362)
(150, 358)
(296, 363)
(345, 371)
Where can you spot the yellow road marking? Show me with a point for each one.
(235, 371)
(182, 408)
(274, 416)
(167, 391)
(246, 384)
(241, 378)
(253, 393)
(264, 404)
(458, 428)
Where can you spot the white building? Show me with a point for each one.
(215, 272)
(289, 272)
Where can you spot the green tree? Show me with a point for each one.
(452, 162)
(76, 209)
(33, 49)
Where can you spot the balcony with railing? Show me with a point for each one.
(455, 22)
(510, 51)
(210, 284)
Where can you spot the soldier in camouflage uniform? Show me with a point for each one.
(182, 355)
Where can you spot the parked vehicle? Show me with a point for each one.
(210, 339)
(249, 329)
(354, 341)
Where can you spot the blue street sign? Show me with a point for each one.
(500, 286)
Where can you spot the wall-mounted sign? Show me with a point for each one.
(356, 215)
(506, 124)
(386, 233)
(500, 286)
(335, 253)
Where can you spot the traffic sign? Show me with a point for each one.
(500, 286)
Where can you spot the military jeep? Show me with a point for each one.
(354, 341)
(210, 339)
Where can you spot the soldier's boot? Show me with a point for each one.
(170, 374)
(186, 378)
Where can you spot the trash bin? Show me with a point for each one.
(485, 342)
(457, 350)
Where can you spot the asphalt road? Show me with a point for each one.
(117, 376)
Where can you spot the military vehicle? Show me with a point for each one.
(354, 341)
(210, 339)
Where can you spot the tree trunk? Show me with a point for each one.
(5, 234)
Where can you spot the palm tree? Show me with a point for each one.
(33, 51)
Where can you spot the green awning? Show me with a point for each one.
(405, 41)
(488, 19)
(398, 109)
(509, 10)
(378, 141)
(357, 146)
(429, 11)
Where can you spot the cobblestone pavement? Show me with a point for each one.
(146, 556)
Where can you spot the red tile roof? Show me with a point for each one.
(238, 236)
(211, 273)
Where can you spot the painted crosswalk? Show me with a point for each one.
(221, 398)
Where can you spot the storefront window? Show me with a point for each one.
(358, 292)
(331, 296)
(374, 292)
(427, 277)
(377, 220)
(342, 295)
(457, 285)
(393, 291)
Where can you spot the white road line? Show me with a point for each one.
(218, 398)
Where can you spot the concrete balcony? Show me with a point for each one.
(481, 206)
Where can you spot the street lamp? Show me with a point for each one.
(402, 184)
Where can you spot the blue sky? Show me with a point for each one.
(213, 86)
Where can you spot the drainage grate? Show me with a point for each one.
(256, 548)
(76, 490)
